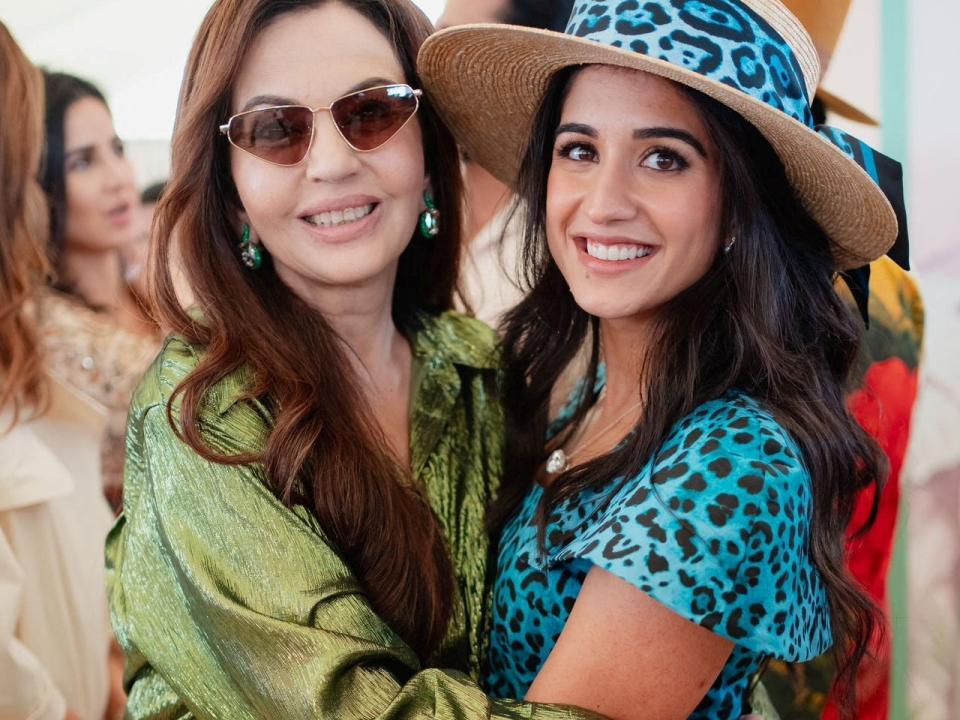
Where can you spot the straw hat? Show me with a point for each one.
(488, 81)
(824, 20)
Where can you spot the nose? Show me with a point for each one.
(330, 159)
(119, 172)
(609, 195)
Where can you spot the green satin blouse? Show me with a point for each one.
(229, 604)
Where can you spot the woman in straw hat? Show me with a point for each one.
(685, 520)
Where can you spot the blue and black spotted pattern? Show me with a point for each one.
(726, 41)
(721, 39)
(716, 527)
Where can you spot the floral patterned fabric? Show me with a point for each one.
(96, 357)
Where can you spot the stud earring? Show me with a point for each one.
(430, 218)
(729, 246)
(250, 253)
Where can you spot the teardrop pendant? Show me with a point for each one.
(252, 256)
(430, 223)
(557, 462)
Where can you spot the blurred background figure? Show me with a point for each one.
(489, 282)
(149, 198)
(134, 255)
(54, 632)
(97, 336)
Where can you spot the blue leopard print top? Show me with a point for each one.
(716, 527)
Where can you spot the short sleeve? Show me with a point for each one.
(716, 527)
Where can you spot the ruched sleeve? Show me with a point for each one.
(717, 528)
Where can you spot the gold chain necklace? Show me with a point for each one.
(559, 461)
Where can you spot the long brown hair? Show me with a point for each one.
(765, 319)
(23, 226)
(325, 449)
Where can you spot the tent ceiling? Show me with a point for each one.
(134, 50)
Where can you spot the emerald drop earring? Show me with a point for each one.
(250, 253)
(429, 218)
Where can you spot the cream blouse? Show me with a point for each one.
(54, 627)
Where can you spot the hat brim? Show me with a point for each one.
(838, 105)
(488, 81)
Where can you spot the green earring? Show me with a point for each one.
(250, 253)
(429, 218)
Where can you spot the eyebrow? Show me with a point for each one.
(281, 100)
(78, 151)
(578, 128)
(639, 134)
(84, 149)
(674, 133)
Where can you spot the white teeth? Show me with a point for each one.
(617, 252)
(340, 217)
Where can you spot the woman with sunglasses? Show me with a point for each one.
(311, 457)
(685, 219)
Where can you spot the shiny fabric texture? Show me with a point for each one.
(229, 604)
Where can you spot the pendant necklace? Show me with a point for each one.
(559, 461)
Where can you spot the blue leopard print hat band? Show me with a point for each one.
(487, 82)
(718, 39)
(728, 42)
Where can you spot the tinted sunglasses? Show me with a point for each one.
(283, 134)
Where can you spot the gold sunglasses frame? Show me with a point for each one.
(417, 94)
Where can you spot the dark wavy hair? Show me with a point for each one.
(764, 319)
(62, 90)
(546, 14)
(325, 449)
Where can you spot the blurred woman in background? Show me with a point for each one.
(97, 336)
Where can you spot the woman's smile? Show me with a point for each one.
(344, 219)
(614, 254)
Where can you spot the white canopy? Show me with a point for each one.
(134, 50)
